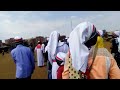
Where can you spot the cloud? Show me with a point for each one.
(28, 29)
(72, 17)
(34, 23)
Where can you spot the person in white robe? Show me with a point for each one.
(53, 47)
(62, 47)
(39, 52)
(52, 51)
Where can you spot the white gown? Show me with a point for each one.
(54, 70)
(62, 47)
(40, 58)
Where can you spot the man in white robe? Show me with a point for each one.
(40, 58)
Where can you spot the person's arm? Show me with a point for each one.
(114, 72)
(13, 56)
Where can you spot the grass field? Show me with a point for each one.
(7, 67)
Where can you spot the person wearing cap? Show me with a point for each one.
(24, 60)
(39, 51)
(60, 59)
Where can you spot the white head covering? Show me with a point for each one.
(79, 52)
(117, 33)
(100, 32)
(61, 57)
(52, 45)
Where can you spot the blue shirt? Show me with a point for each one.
(24, 60)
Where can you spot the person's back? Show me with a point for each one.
(24, 61)
(103, 64)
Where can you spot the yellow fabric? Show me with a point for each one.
(99, 43)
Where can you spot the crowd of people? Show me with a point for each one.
(82, 56)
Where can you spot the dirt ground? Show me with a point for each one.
(7, 67)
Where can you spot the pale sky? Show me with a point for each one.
(35, 23)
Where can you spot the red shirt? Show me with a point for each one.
(60, 71)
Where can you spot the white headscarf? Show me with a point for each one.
(52, 45)
(117, 33)
(79, 52)
(100, 32)
(61, 57)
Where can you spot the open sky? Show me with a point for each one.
(35, 23)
